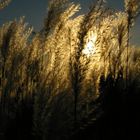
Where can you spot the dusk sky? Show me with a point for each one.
(35, 11)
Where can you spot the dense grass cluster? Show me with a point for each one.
(47, 83)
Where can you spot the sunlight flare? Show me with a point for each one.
(89, 48)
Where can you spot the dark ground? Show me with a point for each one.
(120, 120)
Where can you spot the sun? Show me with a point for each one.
(90, 48)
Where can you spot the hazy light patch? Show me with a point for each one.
(90, 45)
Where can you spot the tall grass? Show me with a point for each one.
(47, 83)
(4, 3)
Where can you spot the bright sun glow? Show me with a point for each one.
(90, 45)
